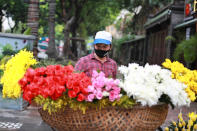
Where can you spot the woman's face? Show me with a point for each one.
(101, 46)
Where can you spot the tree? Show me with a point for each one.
(33, 19)
(138, 19)
(74, 14)
(51, 51)
(16, 9)
(80, 18)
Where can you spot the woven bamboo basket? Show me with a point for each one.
(137, 118)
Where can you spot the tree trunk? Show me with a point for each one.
(1, 22)
(67, 27)
(33, 19)
(74, 43)
(52, 51)
(71, 21)
(66, 48)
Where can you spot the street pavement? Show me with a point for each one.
(26, 120)
(29, 119)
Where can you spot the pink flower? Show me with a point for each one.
(117, 81)
(101, 74)
(112, 96)
(103, 86)
(90, 88)
(90, 97)
(99, 95)
(94, 74)
(108, 88)
(116, 89)
(98, 83)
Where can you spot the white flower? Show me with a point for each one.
(105, 93)
(147, 84)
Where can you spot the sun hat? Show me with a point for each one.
(103, 37)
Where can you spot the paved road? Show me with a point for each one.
(30, 120)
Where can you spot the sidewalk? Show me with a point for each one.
(30, 120)
(27, 120)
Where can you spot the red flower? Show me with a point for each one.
(28, 96)
(60, 89)
(40, 71)
(76, 89)
(52, 82)
(68, 69)
(72, 94)
(23, 81)
(84, 90)
(81, 97)
(30, 72)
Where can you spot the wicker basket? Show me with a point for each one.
(137, 118)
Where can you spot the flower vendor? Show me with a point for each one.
(99, 59)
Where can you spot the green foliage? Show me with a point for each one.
(166, 99)
(8, 50)
(124, 101)
(43, 21)
(58, 32)
(61, 103)
(188, 49)
(52, 61)
(27, 31)
(1, 73)
(93, 16)
(3, 61)
(100, 14)
(170, 38)
(118, 42)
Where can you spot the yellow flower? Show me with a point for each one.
(180, 125)
(190, 123)
(174, 123)
(183, 123)
(167, 63)
(180, 115)
(166, 129)
(14, 70)
(184, 75)
(195, 126)
(193, 117)
(192, 114)
(176, 129)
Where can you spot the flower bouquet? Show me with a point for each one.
(138, 101)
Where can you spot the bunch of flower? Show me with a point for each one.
(77, 84)
(181, 125)
(52, 81)
(184, 75)
(14, 70)
(149, 83)
(103, 87)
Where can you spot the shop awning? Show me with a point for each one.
(158, 17)
(137, 38)
(187, 23)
